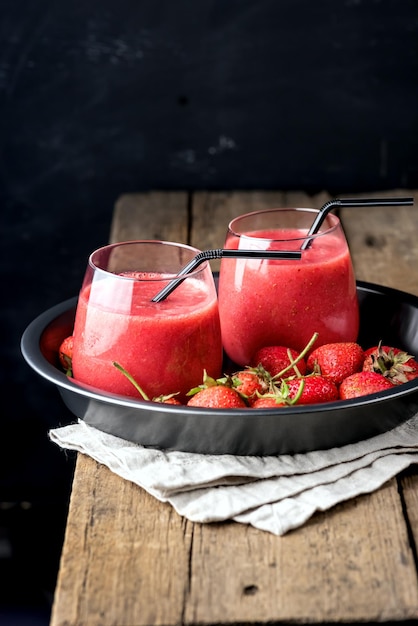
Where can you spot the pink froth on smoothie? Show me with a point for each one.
(165, 346)
(281, 302)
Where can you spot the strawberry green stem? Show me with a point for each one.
(299, 393)
(131, 380)
(299, 358)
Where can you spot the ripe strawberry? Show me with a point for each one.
(65, 354)
(268, 402)
(276, 360)
(251, 382)
(217, 397)
(312, 389)
(216, 393)
(336, 360)
(363, 383)
(395, 364)
(169, 399)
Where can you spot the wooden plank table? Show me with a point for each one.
(129, 560)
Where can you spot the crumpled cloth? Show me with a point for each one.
(272, 493)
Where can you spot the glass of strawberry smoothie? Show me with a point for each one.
(283, 302)
(164, 346)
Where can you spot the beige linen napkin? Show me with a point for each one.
(273, 493)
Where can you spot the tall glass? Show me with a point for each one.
(165, 346)
(283, 302)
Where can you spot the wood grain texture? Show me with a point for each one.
(384, 242)
(152, 215)
(129, 559)
(409, 488)
(349, 564)
(125, 558)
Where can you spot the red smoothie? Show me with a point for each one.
(165, 346)
(264, 302)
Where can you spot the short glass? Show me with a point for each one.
(164, 346)
(283, 302)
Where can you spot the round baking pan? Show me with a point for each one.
(385, 314)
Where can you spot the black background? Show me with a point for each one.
(100, 98)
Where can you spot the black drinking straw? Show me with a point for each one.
(351, 202)
(219, 253)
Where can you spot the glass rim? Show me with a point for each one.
(166, 275)
(331, 216)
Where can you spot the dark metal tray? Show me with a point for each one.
(385, 314)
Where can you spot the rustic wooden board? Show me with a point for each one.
(336, 568)
(128, 559)
(350, 564)
(126, 556)
(152, 215)
(409, 485)
(384, 242)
